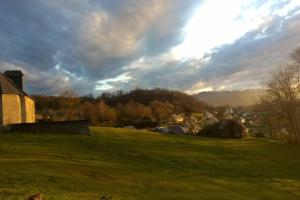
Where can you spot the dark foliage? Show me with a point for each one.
(143, 123)
(139, 108)
(229, 128)
(259, 135)
(183, 103)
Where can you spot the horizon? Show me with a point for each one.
(70, 93)
(191, 46)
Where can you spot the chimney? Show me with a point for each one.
(16, 77)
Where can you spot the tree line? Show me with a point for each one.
(140, 107)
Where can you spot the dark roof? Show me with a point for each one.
(7, 86)
(13, 73)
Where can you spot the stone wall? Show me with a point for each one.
(66, 127)
(29, 110)
(15, 109)
(1, 111)
(11, 109)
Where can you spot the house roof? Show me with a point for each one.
(7, 86)
(13, 73)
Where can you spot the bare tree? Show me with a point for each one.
(270, 118)
(106, 114)
(162, 111)
(284, 91)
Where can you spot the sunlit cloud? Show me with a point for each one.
(216, 23)
(187, 45)
(199, 87)
(112, 83)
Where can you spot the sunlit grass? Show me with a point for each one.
(130, 164)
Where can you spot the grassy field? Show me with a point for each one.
(129, 164)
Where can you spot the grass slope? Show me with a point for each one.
(128, 164)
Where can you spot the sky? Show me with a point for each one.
(91, 47)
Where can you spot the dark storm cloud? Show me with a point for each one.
(85, 45)
(90, 40)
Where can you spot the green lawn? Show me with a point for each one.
(129, 164)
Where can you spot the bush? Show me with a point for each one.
(229, 128)
(259, 135)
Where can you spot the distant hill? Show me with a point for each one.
(232, 98)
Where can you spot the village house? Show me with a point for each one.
(178, 118)
(15, 105)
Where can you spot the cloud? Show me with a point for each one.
(93, 46)
(53, 82)
(90, 39)
(246, 63)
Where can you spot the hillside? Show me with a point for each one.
(129, 164)
(181, 101)
(136, 105)
(232, 98)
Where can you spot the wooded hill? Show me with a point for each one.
(182, 102)
(156, 105)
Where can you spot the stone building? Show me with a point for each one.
(15, 105)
